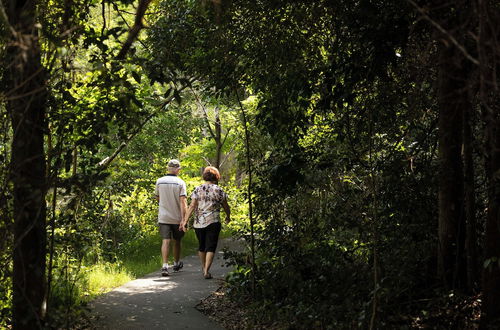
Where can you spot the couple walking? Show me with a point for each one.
(173, 215)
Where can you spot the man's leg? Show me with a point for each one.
(177, 236)
(177, 250)
(165, 247)
(177, 255)
(166, 235)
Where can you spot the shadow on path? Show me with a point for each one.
(156, 302)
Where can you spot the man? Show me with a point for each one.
(170, 192)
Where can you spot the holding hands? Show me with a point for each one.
(184, 223)
(183, 226)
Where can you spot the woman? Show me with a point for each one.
(207, 199)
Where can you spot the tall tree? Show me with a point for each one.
(488, 51)
(34, 30)
(451, 178)
(454, 105)
(471, 237)
(25, 83)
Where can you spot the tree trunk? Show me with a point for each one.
(26, 96)
(218, 140)
(452, 88)
(491, 272)
(470, 203)
(489, 97)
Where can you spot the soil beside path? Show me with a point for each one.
(156, 302)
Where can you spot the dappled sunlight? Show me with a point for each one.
(144, 285)
(151, 301)
(357, 144)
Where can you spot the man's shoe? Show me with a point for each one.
(178, 266)
(164, 271)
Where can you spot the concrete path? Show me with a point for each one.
(156, 302)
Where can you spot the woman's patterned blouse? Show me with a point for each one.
(210, 197)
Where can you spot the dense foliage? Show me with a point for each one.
(345, 148)
(369, 168)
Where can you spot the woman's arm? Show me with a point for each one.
(226, 208)
(192, 206)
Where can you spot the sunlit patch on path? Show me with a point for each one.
(156, 302)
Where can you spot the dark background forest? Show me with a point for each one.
(359, 142)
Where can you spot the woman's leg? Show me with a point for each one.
(211, 240)
(202, 256)
(208, 262)
(200, 235)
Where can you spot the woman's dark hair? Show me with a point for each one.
(212, 174)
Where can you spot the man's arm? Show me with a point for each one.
(157, 193)
(183, 201)
(183, 206)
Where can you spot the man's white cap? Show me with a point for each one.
(173, 165)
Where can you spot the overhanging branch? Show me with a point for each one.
(4, 19)
(135, 29)
(103, 164)
(445, 32)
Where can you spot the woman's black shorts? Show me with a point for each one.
(208, 237)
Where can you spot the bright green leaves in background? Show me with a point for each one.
(341, 107)
(342, 144)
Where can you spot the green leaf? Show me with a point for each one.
(136, 76)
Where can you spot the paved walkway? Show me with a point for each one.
(156, 302)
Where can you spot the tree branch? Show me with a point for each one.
(103, 14)
(206, 160)
(4, 19)
(212, 134)
(125, 21)
(445, 32)
(249, 188)
(135, 29)
(107, 161)
(225, 137)
(103, 164)
(227, 155)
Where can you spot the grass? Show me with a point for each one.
(146, 258)
(102, 278)
(141, 257)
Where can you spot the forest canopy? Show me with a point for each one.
(358, 140)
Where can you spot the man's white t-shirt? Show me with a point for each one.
(169, 189)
